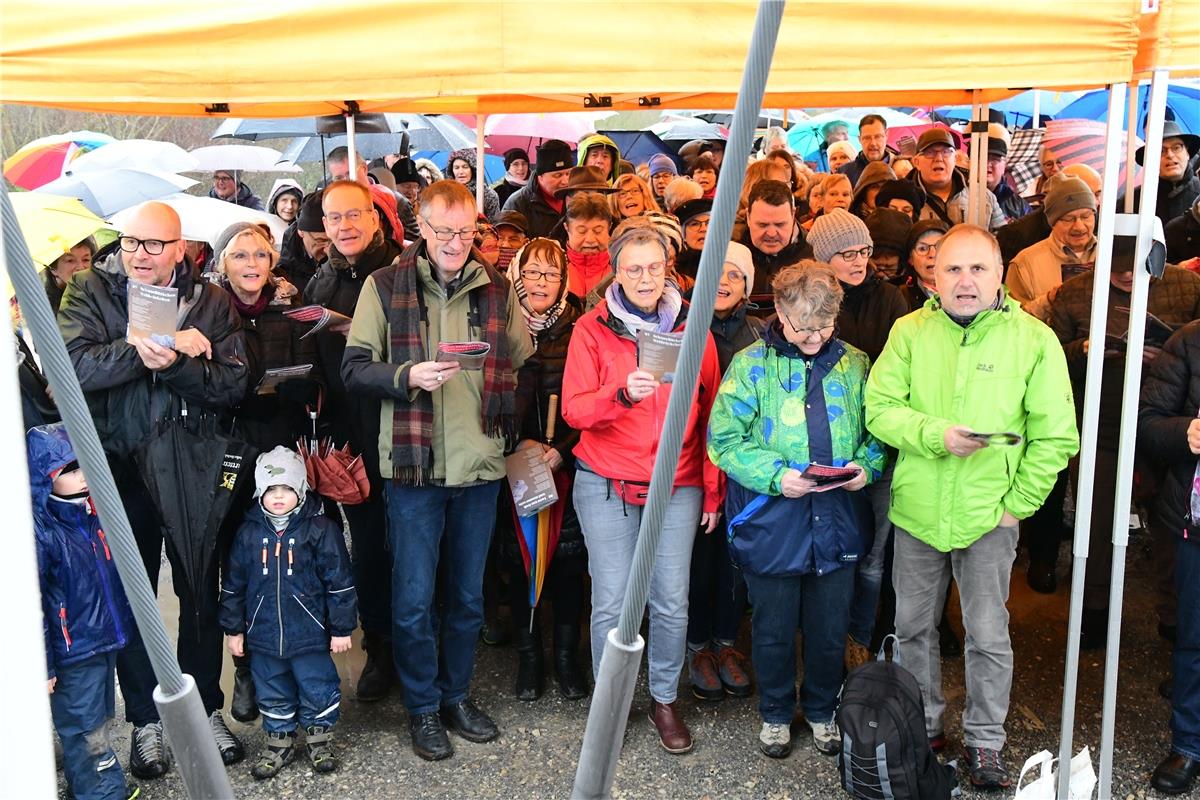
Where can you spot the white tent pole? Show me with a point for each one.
(973, 149)
(352, 152)
(1037, 108)
(480, 173)
(1129, 409)
(1130, 148)
(1091, 415)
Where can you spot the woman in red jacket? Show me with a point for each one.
(619, 411)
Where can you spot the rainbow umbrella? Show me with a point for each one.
(43, 160)
(537, 535)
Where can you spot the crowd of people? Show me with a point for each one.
(863, 328)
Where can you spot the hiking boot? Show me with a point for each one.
(244, 707)
(673, 732)
(987, 768)
(227, 743)
(148, 753)
(429, 739)
(572, 682)
(826, 737)
(735, 677)
(530, 663)
(856, 654)
(465, 719)
(775, 740)
(705, 674)
(281, 749)
(379, 671)
(318, 741)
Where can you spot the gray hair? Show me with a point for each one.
(637, 235)
(808, 290)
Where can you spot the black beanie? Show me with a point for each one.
(515, 154)
(309, 219)
(554, 155)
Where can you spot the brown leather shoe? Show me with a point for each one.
(673, 732)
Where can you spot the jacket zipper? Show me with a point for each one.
(108, 598)
(278, 590)
(62, 620)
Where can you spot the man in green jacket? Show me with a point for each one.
(443, 428)
(968, 364)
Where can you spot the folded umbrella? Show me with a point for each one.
(341, 476)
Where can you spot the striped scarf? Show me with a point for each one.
(412, 423)
(534, 320)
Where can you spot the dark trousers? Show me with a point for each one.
(1044, 529)
(200, 644)
(1185, 697)
(563, 588)
(304, 689)
(716, 592)
(82, 703)
(372, 563)
(1100, 552)
(434, 647)
(821, 606)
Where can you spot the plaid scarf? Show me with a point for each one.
(412, 423)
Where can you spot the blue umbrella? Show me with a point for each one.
(1183, 106)
(493, 166)
(1019, 109)
(638, 146)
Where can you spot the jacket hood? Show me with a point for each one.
(467, 154)
(48, 449)
(283, 185)
(600, 140)
(312, 506)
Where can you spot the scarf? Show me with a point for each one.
(514, 180)
(585, 270)
(412, 423)
(535, 321)
(669, 306)
(253, 310)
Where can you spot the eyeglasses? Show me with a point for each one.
(655, 270)
(1085, 215)
(153, 247)
(938, 152)
(243, 257)
(699, 222)
(625, 194)
(352, 216)
(448, 234)
(537, 275)
(223, 178)
(824, 332)
(926, 249)
(850, 255)
(1051, 164)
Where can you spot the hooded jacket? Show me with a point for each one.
(600, 140)
(735, 333)
(619, 440)
(289, 591)
(84, 609)
(854, 169)
(244, 198)
(281, 186)
(953, 210)
(491, 201)
(125, 397)
(1004, 372)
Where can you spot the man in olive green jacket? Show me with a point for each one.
(443, 430)
(968, 363)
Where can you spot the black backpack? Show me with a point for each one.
(885, 752)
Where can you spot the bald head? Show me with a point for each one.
(152, 226)
(156, 221)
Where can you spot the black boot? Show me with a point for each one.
(379, 672)
(571, 681)
(244, 707)
(530, 665)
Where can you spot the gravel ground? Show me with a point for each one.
(536, 754)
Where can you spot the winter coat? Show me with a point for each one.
(868, 312)
(295, 264)
(463, 454)
(36, 406)
(84, 610)
(283, 185)
(954, 209)
(734, 334)
(54, 291)
(126, 398)
(1038, 269)
(244, 198)
(289, 591)
(1012, 205)
(618, 439)
(1175, 197)
(491, 201)
(854, 169)
(504, 190)
(766, 265)
(599, 139)
(273, 341)
(1025, 232)
(914, 295)
(778, 410)
(1169, 402)
(1004, 372)
(337, 285)
(1174, 298)
(543, 218)
(541, 376)
(1183, 235)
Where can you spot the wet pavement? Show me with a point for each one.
(536, 755)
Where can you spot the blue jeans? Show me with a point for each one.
(1185, 697)
(304, 686)
(83, 701)
(610, 528)
(435, 648)
(865, 606)
(821, 606)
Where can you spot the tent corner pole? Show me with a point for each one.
(480, 172)
(351, 150)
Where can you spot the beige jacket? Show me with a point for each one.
(1038, 269)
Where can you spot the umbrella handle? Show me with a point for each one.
(551, 418)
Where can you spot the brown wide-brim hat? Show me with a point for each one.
(586, 179)
(1171, 130)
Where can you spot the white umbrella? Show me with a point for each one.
(203, 218)
(851, 116)
(107, 191)
(239, 158)
(139, 154)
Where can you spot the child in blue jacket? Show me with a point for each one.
(86, 616)
(288, 598)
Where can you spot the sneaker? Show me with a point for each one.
(775, 740)
(318, 741)
(227, 743)
(281, 750)
(148, 753)
(735, 678)
(705, 674)
(827, 738)
(987, 768)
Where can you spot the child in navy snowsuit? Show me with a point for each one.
(86, 616)
(288, 599)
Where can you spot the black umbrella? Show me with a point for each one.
(193, 476)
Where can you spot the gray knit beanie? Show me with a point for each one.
(836, 231)
(1065, 196)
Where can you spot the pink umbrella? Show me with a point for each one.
(527, 131)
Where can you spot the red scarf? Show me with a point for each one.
(556, 203)
(585, 271)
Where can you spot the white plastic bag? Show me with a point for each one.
(1045, 785)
